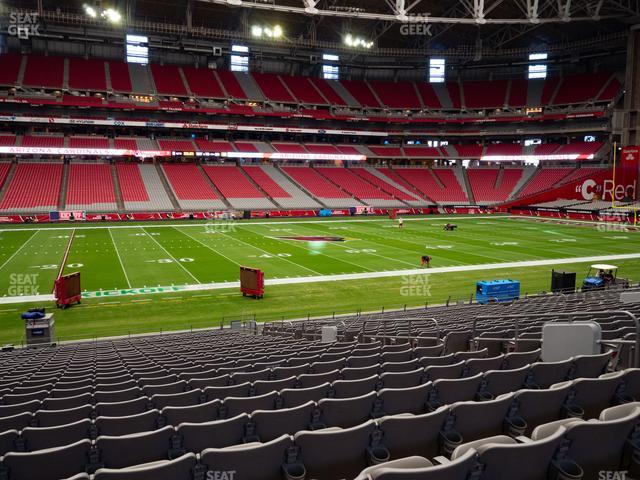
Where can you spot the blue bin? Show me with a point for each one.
(492, 291)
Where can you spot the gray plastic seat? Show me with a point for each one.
(184, 399)
(298, 396)
(10, 410)
(407, 435)
(448, 391)
(347, 412)
(165, 388)
(251, 461)
(220, 393)
(458, 469)
(204, 412)
(41, 438)
(475, 420)
(242, 377)
(474, 354)
(545, 374)
(405, 400)
(117, 395)
(127, 425)
(363, 361)
(120, 409)
(397, 357)
(354, 388)
(520, 359)
(505, 461)
(334, 453)
(179, 469)
(475, 366)
(290, 371)
(217, 434)
(20, 398)
(15, 422)
(8, 441)
(356, 373)
(232, 406)
(327, 366)
(590, 366)
(536, 407)
(437, 361)
(53, 418)
(135, 449)
(210, 381)
(61, 462)
(402, 379)
(405, 366)
(67, 403)
(593, 395)
(270, 424)
(261, 387)
(498, 382)
(600, 445)
(438, 372)
(314, 379)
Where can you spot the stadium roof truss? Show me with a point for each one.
(460, 11)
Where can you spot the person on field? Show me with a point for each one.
(425, 259)
(400, 223)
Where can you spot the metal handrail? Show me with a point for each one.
(570, 315)
(384, 322)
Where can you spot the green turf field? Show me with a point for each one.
(120, 264)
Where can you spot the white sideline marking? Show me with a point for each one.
(351, 276)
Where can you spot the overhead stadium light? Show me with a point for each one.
(357, 42)
(267, 31)
(112, 15)
(90, 11)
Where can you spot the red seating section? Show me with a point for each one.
(485, 94)
(503, 149)
(550, 85)
(188, 182)
(314, 182)
(510, 178)
(393, 175)
(545, 148)
(120, 78)
(428, 95)
(177, 145)
(612, 89)
(425, 181)
(322, 149)
(265, 182)
(303, 90)
(34, 185)
(483, 183)
(361, 92)
(7, 140)
(289, 148)
(231, 182)
(126, 143)
(132, 186)
(353, 184)
(4, 171)
(90, 184)
(272, 87)
(582, 149)
(454, 94)
(581, 173)
(380, 183)
(44, 72)
(386, 151)
(43, 141)
(518, 93)
(231, 84)
(397, 94)
(324, 86)
(246, 147)
(422, 152)
(469, 151)
(453, 189)
(9, 68)
(168, 80)
(87, 74)
(544, 179)
(580, 88)
(203, 82)
(212, 146)
(88, 142)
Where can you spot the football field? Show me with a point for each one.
(207, 256)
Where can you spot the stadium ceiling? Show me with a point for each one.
(471, 12)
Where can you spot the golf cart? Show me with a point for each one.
(601, 276)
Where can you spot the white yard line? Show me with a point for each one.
(18, 251)
(172, 257)
(269, 253)
(333, 278)
(207, 246)
(126, 277)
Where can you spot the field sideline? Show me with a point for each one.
(370, 267)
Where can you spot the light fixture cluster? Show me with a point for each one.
(357, 42)
(260, 31)
(108, 14)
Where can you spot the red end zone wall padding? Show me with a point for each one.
(599, 185)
